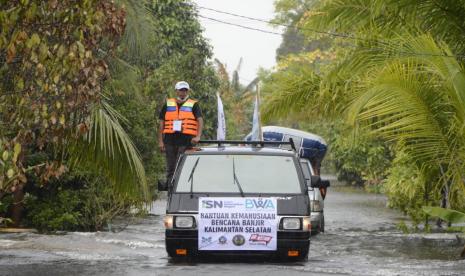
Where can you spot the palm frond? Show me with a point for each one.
(440, 61)
(107, 149)
(291, 94)
(398, 105)
(138, 38)
(249, 91)
(222, 71)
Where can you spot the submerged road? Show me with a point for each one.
(360, 239)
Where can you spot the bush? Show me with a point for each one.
(55, 212)
(5, 204)
(407, 189)
(360, 159)
(80, 203)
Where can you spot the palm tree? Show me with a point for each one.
(384, 19)
(394, 82)
(419, 102)
(237, 100)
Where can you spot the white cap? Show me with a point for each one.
(181, 84)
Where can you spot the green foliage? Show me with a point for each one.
(291, 12)
(82, 201)
(403, 227)
(58, 212)
(51, 77)
(62, 63)
(399, 81)
(140, 112)
(162, 44)
(448, 215)
(107, 149)
(183, 54)
(5, 205)
(101, 204)
(288, 93)
(360, 159)
(408, 189)
(169, 37)
(387, 18)
(237, 101)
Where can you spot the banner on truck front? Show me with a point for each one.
(237, 223)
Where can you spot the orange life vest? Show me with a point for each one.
(184, 113)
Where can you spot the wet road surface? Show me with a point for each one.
(360, 239)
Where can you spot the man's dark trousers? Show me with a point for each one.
(172, 154)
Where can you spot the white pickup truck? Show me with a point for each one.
(312, 149)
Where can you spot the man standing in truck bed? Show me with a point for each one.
(180, 127)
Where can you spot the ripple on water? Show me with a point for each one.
(9, 243)
(131, 244)
(87, 256)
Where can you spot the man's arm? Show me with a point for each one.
(196, 139)
(198, 117)
(161, 145)
(161, 127)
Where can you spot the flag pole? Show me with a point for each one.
(256, 124)
(260, 134)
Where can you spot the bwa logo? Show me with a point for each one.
(259, 204)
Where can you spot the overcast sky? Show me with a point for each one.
(230, 43)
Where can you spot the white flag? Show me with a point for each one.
(256, 126)
(221, 130)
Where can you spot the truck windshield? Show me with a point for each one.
(256, 174)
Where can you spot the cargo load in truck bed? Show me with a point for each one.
(309, 145)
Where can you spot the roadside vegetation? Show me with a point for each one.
(384, 83)
(81, 84)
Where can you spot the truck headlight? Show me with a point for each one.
(291, 223)
(315, 206)
(184, 222)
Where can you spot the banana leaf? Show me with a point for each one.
(448, 215)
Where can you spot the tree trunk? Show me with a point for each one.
(444, 195)
(17, 208)
(426, 199)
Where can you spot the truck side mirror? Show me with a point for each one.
(315, 181)
(162, 185)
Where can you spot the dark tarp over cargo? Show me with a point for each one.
(309, 145)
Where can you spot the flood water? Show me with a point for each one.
(360, 239)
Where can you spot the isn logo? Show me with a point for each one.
(259, 204)
(260, 239)
(238, 240)
(222, 240)
(209, 204)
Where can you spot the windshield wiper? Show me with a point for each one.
(191, 176)
(237, 180)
